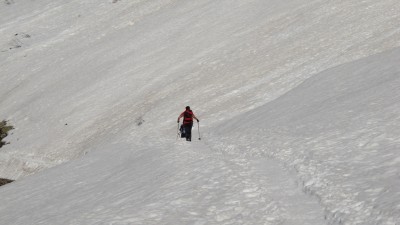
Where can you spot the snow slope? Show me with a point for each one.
(340, 131)
(103, 83)
(99, 67)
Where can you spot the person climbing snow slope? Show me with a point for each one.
(188, 117)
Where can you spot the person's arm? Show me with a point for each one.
(180, 117)
(196, 118)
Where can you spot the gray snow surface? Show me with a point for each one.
(298, 101)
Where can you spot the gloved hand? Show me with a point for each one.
(177, 121)
(198, 120)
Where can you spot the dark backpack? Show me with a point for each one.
(182, 130)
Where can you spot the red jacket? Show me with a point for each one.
(188, 117)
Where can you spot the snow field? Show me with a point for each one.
(342, 141)
(206, 190)
(101, 84)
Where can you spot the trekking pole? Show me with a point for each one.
(177, 132)
(198, 129)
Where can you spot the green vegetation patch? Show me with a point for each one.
(4, 129)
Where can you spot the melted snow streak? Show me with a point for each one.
(340, 131)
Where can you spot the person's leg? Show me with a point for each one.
(188, 132)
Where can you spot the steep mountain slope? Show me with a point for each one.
(295, 97)
(99, 67)
(339, 139)
(340, 131)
